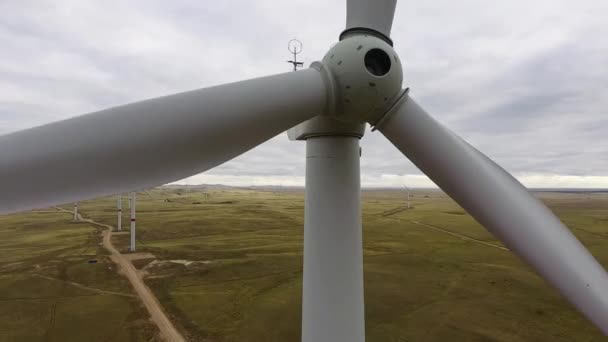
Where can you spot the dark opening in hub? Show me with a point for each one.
(377, 62)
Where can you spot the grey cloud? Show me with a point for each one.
(522, 81)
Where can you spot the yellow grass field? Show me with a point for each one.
(226, 264)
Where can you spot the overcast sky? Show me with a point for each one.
(524, 81)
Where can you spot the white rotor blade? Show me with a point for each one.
(153, 142)
(504, 206)
(371, 14)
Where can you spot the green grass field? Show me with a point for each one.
(49, 291)
(229, 268)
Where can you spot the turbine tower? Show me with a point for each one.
(408, 196)
(119, 212)
(132, 201)
(75, 211)
(359, 81)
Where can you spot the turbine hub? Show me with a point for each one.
(365, 75)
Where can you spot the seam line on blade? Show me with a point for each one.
(366, 30)
(389, 112)
(330, 86)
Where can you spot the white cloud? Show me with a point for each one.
(532, 181)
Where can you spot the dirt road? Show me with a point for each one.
(460, 236)
(463, 237)
(167, 330)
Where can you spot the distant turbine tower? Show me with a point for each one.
(408, 196)
(132, 202)
(119, 210)
(75, 211)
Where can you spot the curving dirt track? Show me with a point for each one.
(167, 330)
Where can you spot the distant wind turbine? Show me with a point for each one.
(75, 211)
(119, 210)
(132, 202)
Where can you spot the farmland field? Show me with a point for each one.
(226, 264)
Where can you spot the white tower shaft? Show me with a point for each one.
(333, 309)
(132, 201)
(75, 211)
(119, 212)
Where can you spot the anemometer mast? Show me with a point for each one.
(295, 47)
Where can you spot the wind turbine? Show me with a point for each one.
(358, 81)
(119, 211)
(408, 196)
(75, 211)
(132, 201)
